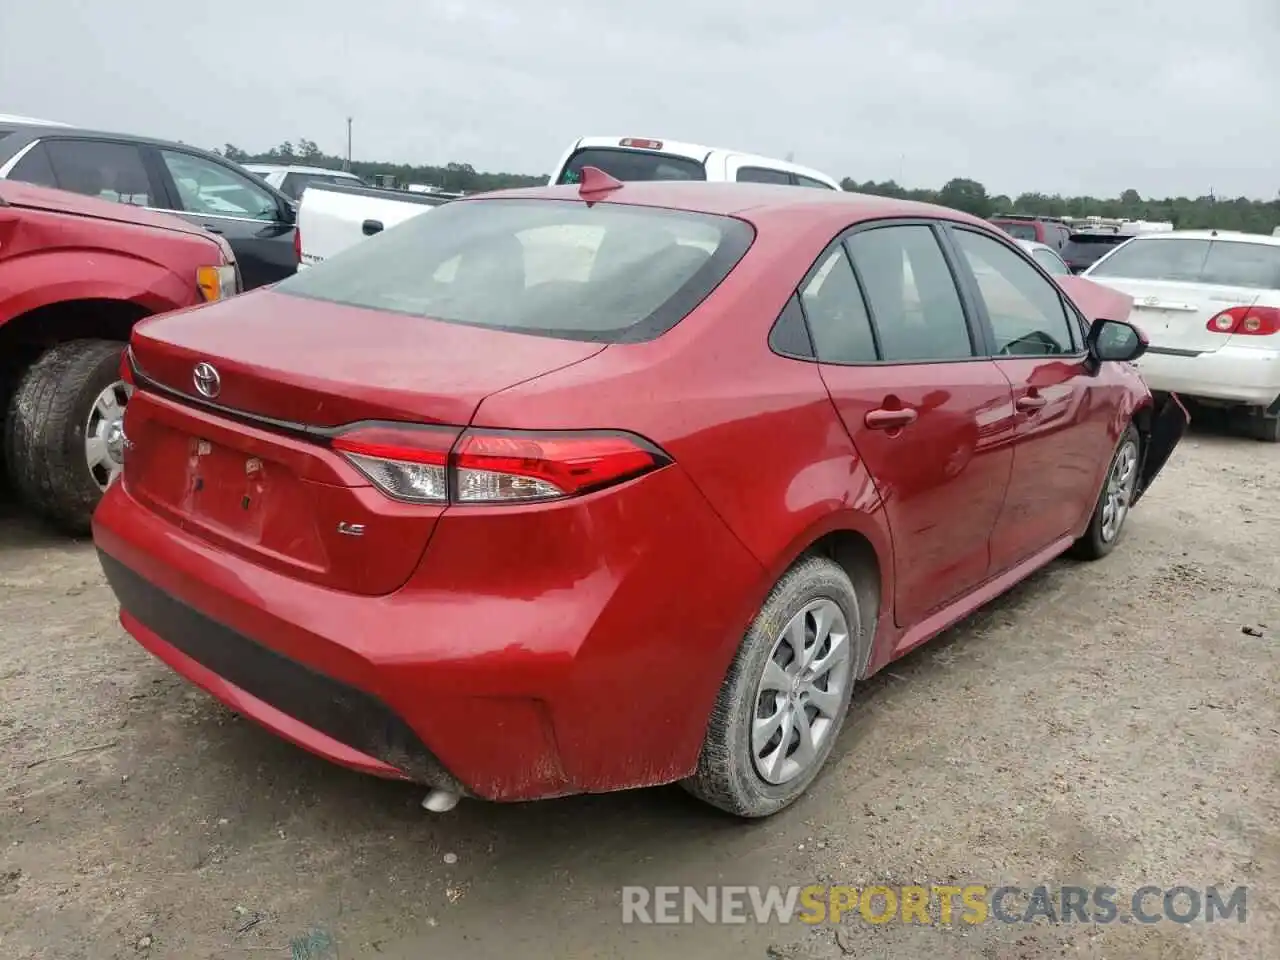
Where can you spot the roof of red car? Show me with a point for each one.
(751, 201)
(18, 194)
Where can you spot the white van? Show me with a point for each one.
(636, 158)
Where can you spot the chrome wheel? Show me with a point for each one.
(1119, 493)
(104, 434)
(801, 692)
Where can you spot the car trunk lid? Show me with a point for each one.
(1175, 315)
(249, 468)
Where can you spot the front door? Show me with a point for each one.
(1062, 411)
(229, 203)
(931, 418)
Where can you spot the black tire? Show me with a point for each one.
(1094, 545)
(44, 431)
(726, 776)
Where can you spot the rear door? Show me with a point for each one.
(225, 201)
(931, 418)
(1179, 284)
(108, 169)
(1061, 433)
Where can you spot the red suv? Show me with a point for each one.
(584, 488)
(1050, 231)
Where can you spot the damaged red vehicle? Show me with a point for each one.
(583, 488)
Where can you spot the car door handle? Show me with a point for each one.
(212, 229)
(1029, 404)
(370, 227)
(883, 419)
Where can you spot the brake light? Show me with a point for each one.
(437, 465)
(640, 144)
(1250, 321)
(297, 245)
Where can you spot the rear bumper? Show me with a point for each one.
(593, 667)
(1232, 374)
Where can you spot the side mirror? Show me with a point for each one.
(1115, 340)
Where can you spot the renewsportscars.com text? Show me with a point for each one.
(936, 904)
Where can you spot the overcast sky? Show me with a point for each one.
(1068, 96)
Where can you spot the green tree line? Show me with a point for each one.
(1239, 213)
(1200, 213)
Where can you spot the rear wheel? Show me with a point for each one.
(784, 700)
(1112, 508)
(63, 436)
(1264, 426)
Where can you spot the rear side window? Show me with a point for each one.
(632, 165)
(608, 273)
(100, 168)
(34, 167)
(762, 175)
(1228, 263)
(836, 312)
(810, 182)
(914, 303)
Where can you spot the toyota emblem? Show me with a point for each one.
(205, 377)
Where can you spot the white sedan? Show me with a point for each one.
(1209, 302)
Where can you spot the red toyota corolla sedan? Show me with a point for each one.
(585, 488)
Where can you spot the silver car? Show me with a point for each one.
(1046, 256)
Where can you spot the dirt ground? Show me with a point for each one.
(1111, 723)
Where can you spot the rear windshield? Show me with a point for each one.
(1088, 247)
(608, 273)
(1228, 263)
(628, 165)
(1019, 231)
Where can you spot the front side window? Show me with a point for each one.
(605, 273)
(1026, 311)
(916, 308)
(836, 312)
(101, 168)
(212, 190)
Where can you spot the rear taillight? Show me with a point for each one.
(1250, 321)
(439, 465)
(297, 245)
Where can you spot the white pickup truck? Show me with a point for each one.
(335, 216)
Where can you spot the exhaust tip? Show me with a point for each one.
(440, 801)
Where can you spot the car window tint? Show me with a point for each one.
(1026, 310)
(836, 312)
(762, 175)
(209, 188)
(914, 302)
(1051, 262)
(810, 182)
(292, 185)
(34, 167)
(99, 168)
(789, 335)
(631, 165)
(606, 272)
(1019, 231)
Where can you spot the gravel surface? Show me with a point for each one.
(1112, 723)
